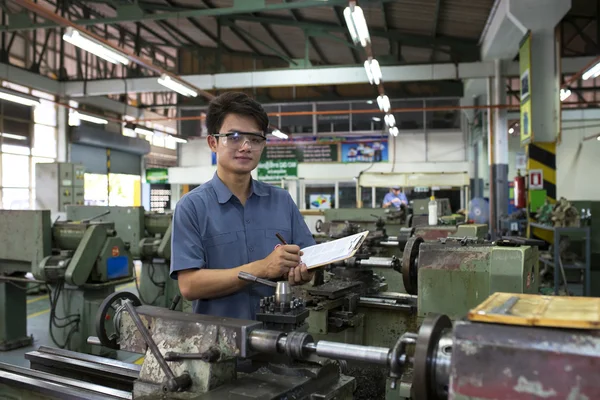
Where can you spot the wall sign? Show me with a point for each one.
(302, 152)
(536, 179)
(320, 201)
(521, 161)
(274, 170)
(157, 175)
(365, 151)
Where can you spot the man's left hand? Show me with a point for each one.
(300, 275)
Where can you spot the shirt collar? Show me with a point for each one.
(224, 194)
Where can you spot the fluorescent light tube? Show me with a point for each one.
(91, 45)
(394, 131)
(592, 72)
(279, 134)
(11, 136)
(384, 103)
(376, 119)
(390, 120)
(176, 86)
(143, 131)
(350, 24)
(564, 94)
(21, 99)
(368, 71)
(177, 139)
(90, 118)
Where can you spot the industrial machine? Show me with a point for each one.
(493, 354)
(81, 262)
(58, 185)
(149, 236)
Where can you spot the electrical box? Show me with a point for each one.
(58, 185)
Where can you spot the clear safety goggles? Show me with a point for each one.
(237, 140)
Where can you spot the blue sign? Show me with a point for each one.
(365, 151)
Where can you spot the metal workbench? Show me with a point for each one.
(583, 231)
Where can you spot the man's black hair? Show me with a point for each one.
(234, 103)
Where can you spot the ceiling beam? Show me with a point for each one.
(203, 12)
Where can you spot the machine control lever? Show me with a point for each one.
(96, 216)
(210, 355)
(173, 384)
(283, 292)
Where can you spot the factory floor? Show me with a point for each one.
(38, 313)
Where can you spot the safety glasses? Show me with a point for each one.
(237, 140)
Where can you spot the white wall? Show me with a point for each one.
(409, 152)
(578, 162)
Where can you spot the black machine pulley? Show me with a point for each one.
(410, 267)
(106, 315)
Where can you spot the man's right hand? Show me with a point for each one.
(279, 262)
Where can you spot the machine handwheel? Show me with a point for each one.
(107, 312)
(410, 268)
(319, 226)
(432, 329)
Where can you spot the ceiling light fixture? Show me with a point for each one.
(19, 98)
(357, 25)
(279, 134)
(564, 94)
(384, 103)
(176, 86)
(373, 71)
(592, 72)
(95, 47)
(90, 118)
(177, 139)
(390, 120)
(376, 119)
(511, 130)
(11, 136)
(394, 131)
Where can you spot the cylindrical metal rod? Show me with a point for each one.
(390, 243)
(251, 278)
(94, 340)
(392, 238)
(264, 341)
(378, 262)
(343, 351)
(148, 339)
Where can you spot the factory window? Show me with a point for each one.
(319, 196)
(363, 121)
(297, 122)
(442, 116)
(333, 122)
(125, 190)
(27, 137)
(409, 115)
(347, 194)
(366, 196)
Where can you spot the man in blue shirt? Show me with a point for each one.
(395, 198)
(229, 224)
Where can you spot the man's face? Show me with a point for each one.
(238, 154)
(396, 191)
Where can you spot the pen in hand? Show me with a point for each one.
(281, 239)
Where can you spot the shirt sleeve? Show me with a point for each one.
(301, 235)
(386, 198)
(403, 198)
(187, 249)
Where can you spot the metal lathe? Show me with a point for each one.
(492, 354)
(80, 262)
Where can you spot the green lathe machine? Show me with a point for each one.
(81, 262)
(149, 234)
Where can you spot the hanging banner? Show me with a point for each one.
(157, 175)
(302, 152)
(274, 170)
(525, 71)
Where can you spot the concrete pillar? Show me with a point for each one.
(62, 139)
(500, 145)
(292, 187)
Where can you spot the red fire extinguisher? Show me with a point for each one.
(519, 190)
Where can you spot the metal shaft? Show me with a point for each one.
(251, 278)
(378, 262)
(148, 339)
(390, 243)
(343, 351)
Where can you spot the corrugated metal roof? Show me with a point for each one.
(464, 18)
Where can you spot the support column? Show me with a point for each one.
(292, 187)
(500, 162)
(490, 158)
(62, 140)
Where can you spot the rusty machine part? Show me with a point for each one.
(410, 267)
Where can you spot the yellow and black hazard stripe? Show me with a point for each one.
(542, 156)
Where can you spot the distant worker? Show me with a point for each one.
(395, 198)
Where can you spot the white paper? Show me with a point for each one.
(335, 250)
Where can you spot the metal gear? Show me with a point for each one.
(103, 314)
(432, 329)
(410, 268)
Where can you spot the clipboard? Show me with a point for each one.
(336, 250)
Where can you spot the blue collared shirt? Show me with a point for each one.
(211, 229)
(391, 196)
